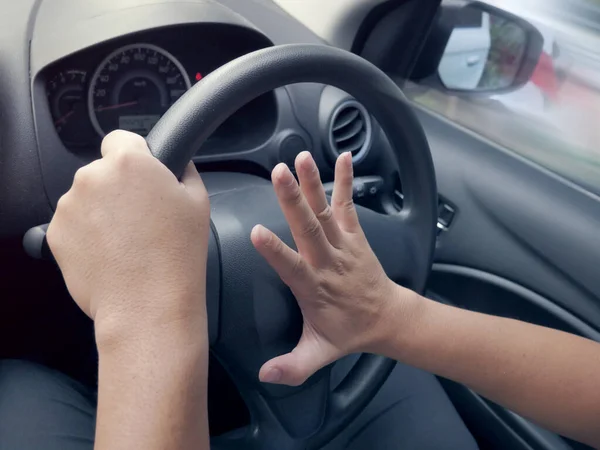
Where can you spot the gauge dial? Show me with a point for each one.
(66, 97)
(133, 87)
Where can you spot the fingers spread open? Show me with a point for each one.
(312, 188)
(288, 264)
(342, 202)
(306, 229)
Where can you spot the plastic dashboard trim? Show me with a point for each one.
(58, 164)
(102, 21)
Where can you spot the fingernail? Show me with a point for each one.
(262, 234)
(273, 375)
(307, 162)
(348, 161)
(284, 175)
(348, 157)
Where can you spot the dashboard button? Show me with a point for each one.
(446, 215)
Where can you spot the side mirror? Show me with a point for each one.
(480, 49)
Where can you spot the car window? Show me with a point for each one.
(554, 119)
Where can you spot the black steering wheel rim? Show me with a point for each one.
(194, 117)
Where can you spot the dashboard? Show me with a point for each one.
(71, 72)
(130, 82)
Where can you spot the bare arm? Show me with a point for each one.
(349, 306)
(131, 242)
(545, 375)
(152, 390)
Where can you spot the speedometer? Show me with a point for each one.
(133, 87)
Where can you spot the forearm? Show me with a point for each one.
(546, 375)
(152, 391)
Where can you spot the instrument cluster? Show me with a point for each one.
(130, 84)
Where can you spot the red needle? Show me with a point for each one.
(120, 105)
(64, 118)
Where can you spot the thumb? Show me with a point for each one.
(294, 368)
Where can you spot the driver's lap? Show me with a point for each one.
(41, 409)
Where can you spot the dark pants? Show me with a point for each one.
(41, 409)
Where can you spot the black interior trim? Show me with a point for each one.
(23, 201)
(496, 428)
(492, 425)
(402, 31)
(371, 21)
(571, 323)
(556, 217)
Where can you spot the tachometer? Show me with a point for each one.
(66, 97)
(133, 87)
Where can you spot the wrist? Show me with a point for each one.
(401, 319)
(162, 321)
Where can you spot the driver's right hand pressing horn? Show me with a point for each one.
(350, 305)
(131, 240)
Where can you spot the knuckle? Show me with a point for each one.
(274, 244)
(119, 142)
(339, 267)
(346, 205)
(299, 267)
(137, 140)
(112, 137)
(312, 229)
(122, 138)
(125, 160)
(63, 204)
(295, 197)
(83, 177)
(326, 215)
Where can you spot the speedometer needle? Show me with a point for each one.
(120, 105)
(64, 118)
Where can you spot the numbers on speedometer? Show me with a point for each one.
(133, 87)
(66, 97)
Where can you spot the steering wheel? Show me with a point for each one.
(254, 316)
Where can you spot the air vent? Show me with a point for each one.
(398, 198)
(350, 130)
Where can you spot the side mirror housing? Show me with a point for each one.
(475, 48)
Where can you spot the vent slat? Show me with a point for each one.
(345, 117)
(348, 131)
(353, 145)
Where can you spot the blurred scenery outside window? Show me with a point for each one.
(554, 119)
(507, 48)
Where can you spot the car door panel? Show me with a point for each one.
(484, 292)
(517, 220)
(523, 245)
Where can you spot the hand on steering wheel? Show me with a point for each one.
(341, 287)
(128, 234)
(339, 284)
